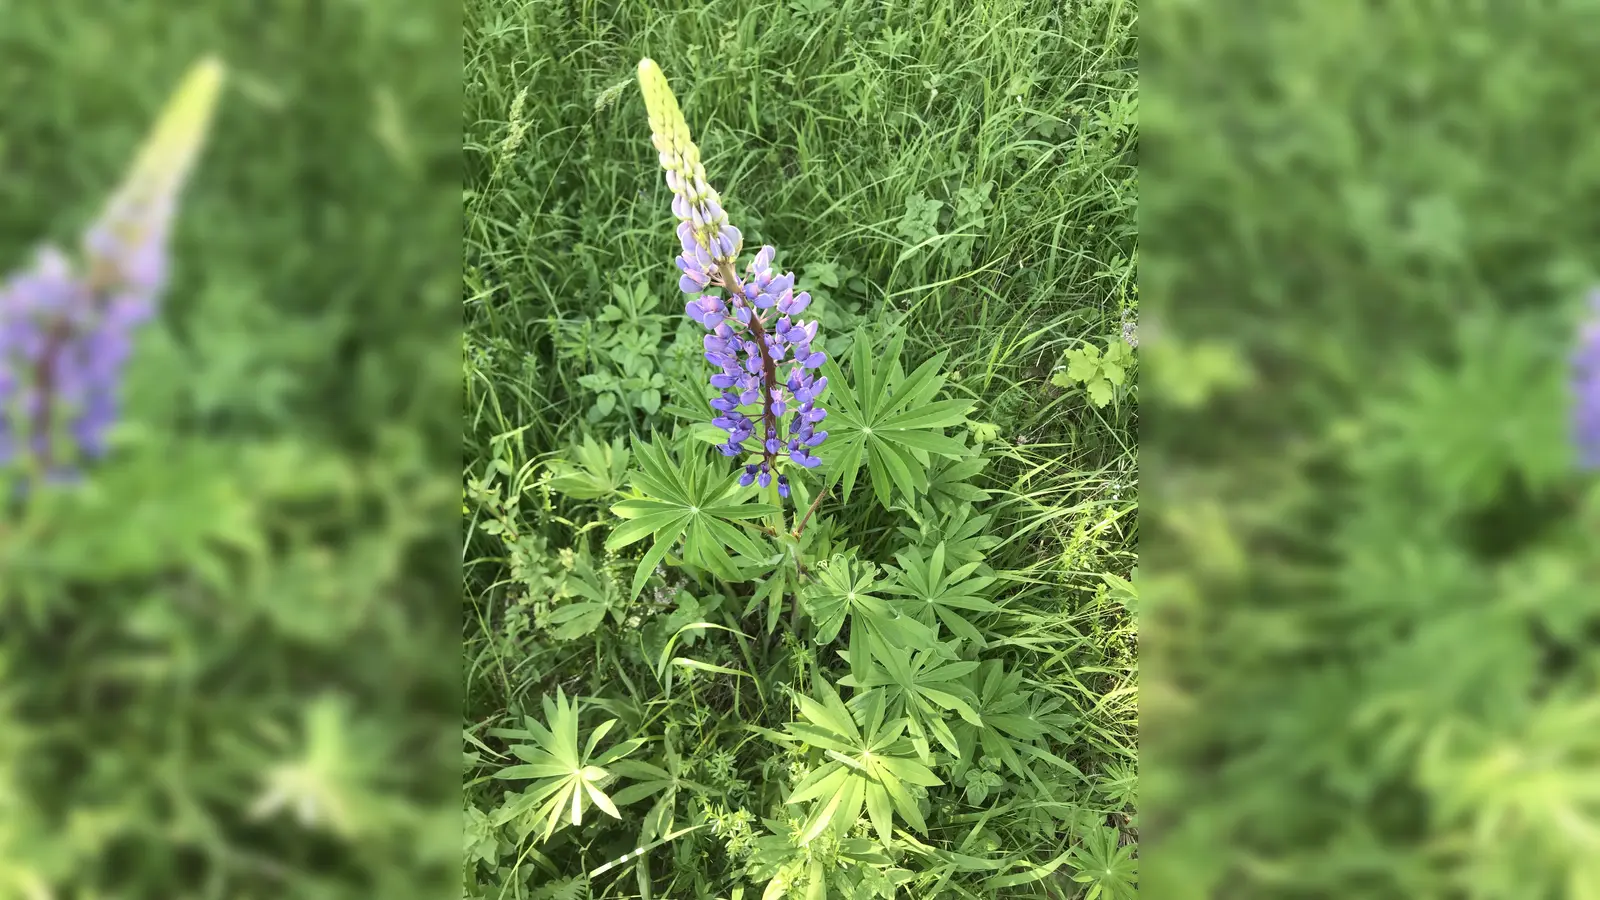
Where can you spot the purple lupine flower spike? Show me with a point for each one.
(1586, 388)
(66, 325)
(764, 357)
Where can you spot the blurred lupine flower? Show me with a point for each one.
(66, 327)
(1586, 388)
(753, 335)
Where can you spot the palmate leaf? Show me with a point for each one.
(927, 590)
(889, 422)
(597, 470)
(683, 496)
(923, 685)
(871, 765)
(846, 586)
(566, 780)
(597, 594)
(964, 535)
(1011, 726)
(1106, 865)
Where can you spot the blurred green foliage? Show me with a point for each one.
(224, 667)
(1373, 578)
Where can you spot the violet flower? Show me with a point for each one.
(1586, 388)
(66, 327)
(765, 355)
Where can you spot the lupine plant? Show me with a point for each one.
(764, 354)
(67, 325)
(766, 361)
(913, 635)
(830, 614)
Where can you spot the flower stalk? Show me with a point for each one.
(66, 326)
(753, 332)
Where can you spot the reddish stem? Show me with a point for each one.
(45, 383)
(769, 369)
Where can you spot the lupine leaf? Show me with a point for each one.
(908, 677)
(889, 422)
(868, 758)
(684, 499)
(566, 780)
(847, 587)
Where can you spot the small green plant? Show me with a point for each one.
(594, 472)
(566, 780)
(1104, 865)
(870, 763)
(622, 344)
(1100, 373)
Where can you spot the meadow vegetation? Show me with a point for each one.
(930, 690)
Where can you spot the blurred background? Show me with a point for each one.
(1370, 563)
(227, 658)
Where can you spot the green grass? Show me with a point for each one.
(827, 127)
